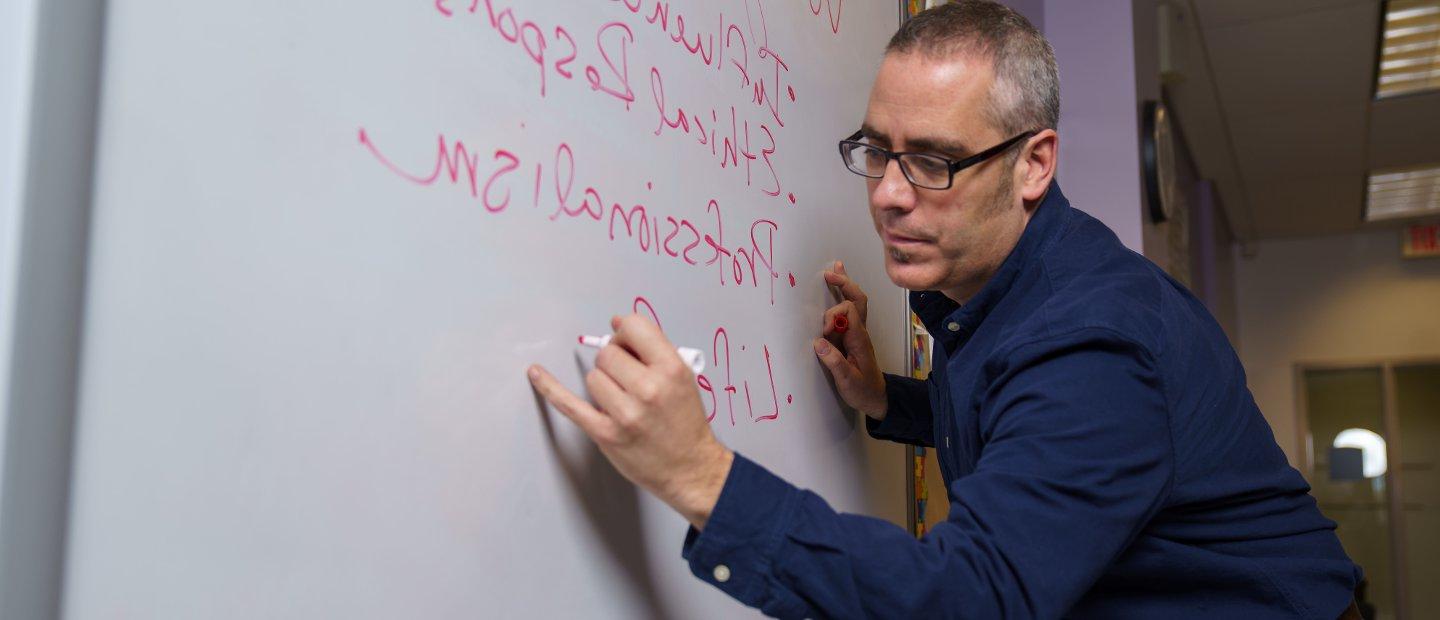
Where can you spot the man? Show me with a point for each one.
(1102, 453)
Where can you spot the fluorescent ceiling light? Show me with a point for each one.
(1402, 193)
(1409, 48)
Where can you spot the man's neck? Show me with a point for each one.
(962, 294)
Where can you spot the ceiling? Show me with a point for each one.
(1274, 100)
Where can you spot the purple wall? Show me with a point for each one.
(1094, 43)
(1097, 43)
(1033, 10)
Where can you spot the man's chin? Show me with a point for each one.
(912, 276)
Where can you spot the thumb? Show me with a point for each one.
(840, 368)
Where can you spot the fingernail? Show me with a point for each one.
(533, 373)
(822, 347)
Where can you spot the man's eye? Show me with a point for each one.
(929, 166)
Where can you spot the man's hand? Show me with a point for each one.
(650, 422)
(850, 357)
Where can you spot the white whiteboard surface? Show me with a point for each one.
(303, 391)
(17, 27)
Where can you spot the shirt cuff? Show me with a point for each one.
(735, 551)
(903, 396)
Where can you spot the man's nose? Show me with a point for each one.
(893, 191)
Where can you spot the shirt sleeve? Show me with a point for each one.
(908, 417)
(1076, 460)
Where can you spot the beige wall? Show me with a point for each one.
(1330, 299)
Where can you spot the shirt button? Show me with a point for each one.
(953, 326)
(722, 573)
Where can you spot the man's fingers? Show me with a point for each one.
(849, 290)
(621, 365)
(832, 282)
(854, 341)
(858, 347)
(617, 405)
(829, 327)
(842, 284)
(641, 335)
(593, 422)
(840, 368)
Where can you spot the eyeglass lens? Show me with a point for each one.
(920, 169)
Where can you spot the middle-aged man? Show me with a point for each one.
(1102, 453)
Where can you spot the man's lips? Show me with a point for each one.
(893, 238)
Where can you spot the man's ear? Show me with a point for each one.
(1036, 165)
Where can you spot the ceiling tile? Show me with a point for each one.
(1307, 205)
(1222, 13)
(1405, 131)
(1303, 141)
(1321, 58)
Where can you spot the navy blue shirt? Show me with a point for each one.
(1102, 455)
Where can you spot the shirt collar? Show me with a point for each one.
(946, 319)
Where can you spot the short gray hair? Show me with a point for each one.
(1027, 83)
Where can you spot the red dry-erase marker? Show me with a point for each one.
(841, 323)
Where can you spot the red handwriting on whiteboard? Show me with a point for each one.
(612, 42)
(450, 160)
(719, 363)
(743, 264)
(710, 48)
(641, 303)
(742, 146)
(832, 8)
(726, 146)
(647, 229)
(621, 34)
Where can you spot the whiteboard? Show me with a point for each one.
(328, 237)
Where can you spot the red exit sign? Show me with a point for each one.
(1422, 240)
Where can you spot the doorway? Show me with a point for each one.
(1371, 437)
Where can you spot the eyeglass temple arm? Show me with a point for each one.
(956, 166)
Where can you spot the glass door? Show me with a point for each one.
(1348, 472)
(1417, 408)
(1373, 460)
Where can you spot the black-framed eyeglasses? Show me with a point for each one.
(925, 170)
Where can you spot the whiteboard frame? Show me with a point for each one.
(43, 326)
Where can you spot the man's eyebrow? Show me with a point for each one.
(869, 132)
(921, 145)
(939, 145)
